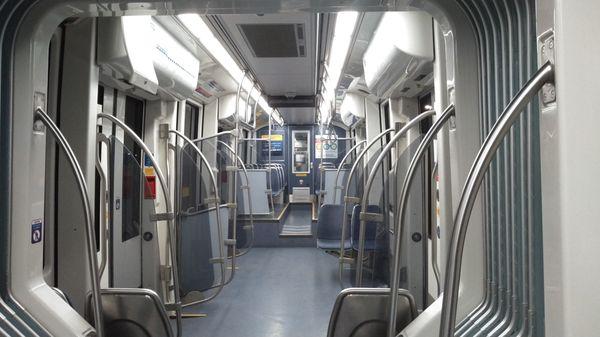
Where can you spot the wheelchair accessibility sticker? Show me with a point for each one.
(36, 231)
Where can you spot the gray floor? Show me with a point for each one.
(277, 292)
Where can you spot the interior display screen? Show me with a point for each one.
(276, 145)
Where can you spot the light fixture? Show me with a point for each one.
(196, 25)
(345, 24)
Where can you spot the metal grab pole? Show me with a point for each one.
(168, 207)
(254, 113)
(101, 138)
(434, 240)
(217, 211)
(370, 180)
(485, 155)
(90, 235)
(222, 133)
(337, 174)
(270, 168)
(233, 212)
(247, 188)
(249, 98)
(347, 189)
(320, 196)
(400, 210)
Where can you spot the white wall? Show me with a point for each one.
(570, 153)
(78, 123)
(158, 112)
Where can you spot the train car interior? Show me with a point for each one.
(295, 168)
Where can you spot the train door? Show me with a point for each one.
(301, 165)
(126, 194)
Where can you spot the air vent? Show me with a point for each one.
(364, 91)
(301, 51)
(405, 89)
(275, 40)
(420, 77)
(295, 102)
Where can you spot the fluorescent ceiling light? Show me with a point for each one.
(345, 24)
(197, 26)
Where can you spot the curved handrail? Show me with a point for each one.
(90, 235)
(347, 189)
(337, 174)
(480, 166)
(168, 206)
(400, 210)
(219, 228)
(218, 134)
(236, 136)
(101, 138)
(365, 200)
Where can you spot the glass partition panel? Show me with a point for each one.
(199, 245)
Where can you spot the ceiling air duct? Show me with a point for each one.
(139, 51)
(275, 39)
(399, 59)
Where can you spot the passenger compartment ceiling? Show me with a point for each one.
(279, 49)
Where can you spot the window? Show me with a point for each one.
(192, 115)
(425, 104)
(189, 170)
(132, 171)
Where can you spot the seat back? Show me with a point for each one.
(133, 313)
(329, 223)
(363, 312)
(370, 228)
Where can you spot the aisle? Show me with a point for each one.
(277, 292)
(299, 221)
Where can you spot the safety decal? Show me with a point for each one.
(36, 231)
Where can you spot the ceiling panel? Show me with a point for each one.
(298, 115)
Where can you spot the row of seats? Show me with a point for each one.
(329, 228)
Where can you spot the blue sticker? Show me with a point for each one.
(147, 161)
(36, 231)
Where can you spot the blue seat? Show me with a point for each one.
(372, 241)
(329, 227)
